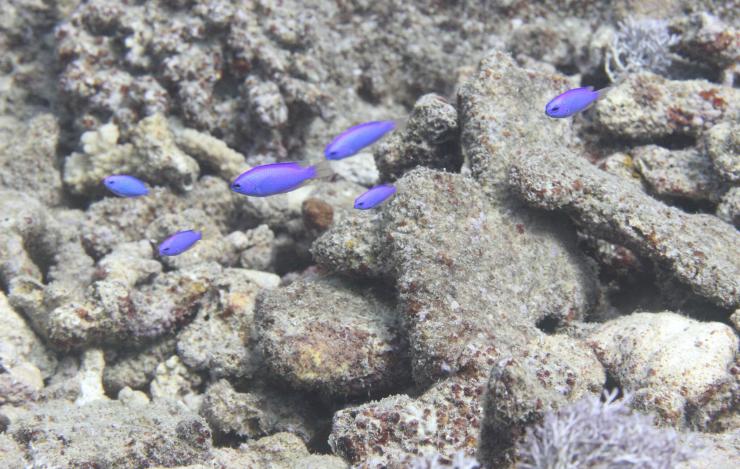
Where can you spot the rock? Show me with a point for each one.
(331, 337)
(90, 377)
(211, 153)
(622, 165)
(458, 298)
(116, 220)
(106, 433)
(698, 250)
(112, 312)
(707, 39)
(279, 451)
(259, 250)
(426, 234)
(722, 144)
(317, 214)
(360, 169)
(353, 247)
(11, 453)
(677, 367)
(152, 156)
(173, 381)
(429, 138)
(29, 162)
(545, 374)
(501, 119)
(219, 340)
(34, 238)
(716, 450)
(646, 107)
(135, 369)
(261, 411)
(564, 43)
(686, 174)
(728, 208)
(213, 247)
(18, 342)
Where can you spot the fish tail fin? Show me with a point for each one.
(603, 91)
(322, 170)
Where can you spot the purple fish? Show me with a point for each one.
(277, 178)
(573, 101)
(179, 242)
(356, 138)
(125, 186)
(374, 197)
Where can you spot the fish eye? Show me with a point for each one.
(236, 186)
(360, 204)
(555, 108)
(165, 249)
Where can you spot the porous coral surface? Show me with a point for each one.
(526, 269)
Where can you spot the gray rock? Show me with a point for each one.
(331, 337)
(677, 367)
(108, 434)
(28, 160)
(699, 250)
(279, 451)
(707, 39)
(219, 340)
(114, 220)
(687, 174)
(543, 375)
(646, 107)
(429, 138)
(135, 369)
(173, 381)
(723, 147)
(259, 412)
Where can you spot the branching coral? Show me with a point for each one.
(591, 433)
(639, 45)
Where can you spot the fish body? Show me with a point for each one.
(276, 178)
(125, 186)
(374, 197)
(356, 138)
(573, 101)
(179, 242)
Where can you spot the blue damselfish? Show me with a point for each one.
(179, 242)
(356, 138)
(374, 197)
(125, 186)
(573, 101)
(277, 178)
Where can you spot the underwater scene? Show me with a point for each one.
(372, 234)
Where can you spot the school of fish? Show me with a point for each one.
(278, 178)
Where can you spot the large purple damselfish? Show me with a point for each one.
(125, 186)
(356, 138)
(573, 101)
(179, 243)
(374, 197)
(276, 178)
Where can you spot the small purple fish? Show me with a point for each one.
(573, 101)
(277, 178)
(125, 186)
(179, 242)
(356, 138)
(374, 197)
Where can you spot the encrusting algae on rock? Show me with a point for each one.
(189, 280)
